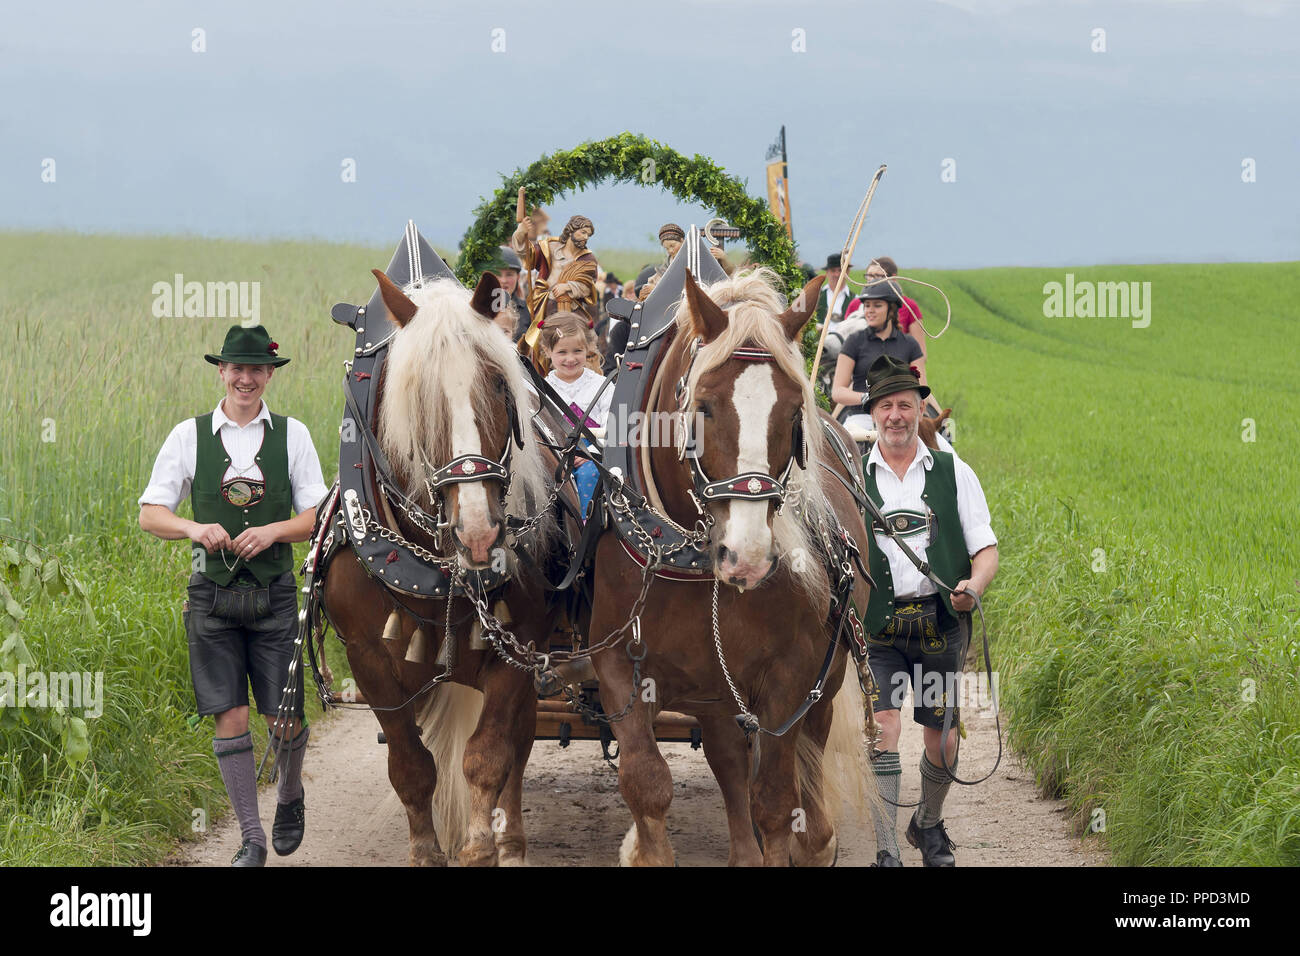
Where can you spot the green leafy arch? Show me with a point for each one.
(635, 159)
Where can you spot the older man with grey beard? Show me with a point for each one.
(933, 501)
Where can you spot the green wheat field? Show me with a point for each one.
(1142, 481)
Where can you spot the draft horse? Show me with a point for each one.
(745, 408)
(453, 403)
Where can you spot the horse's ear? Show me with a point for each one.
(485, 300)
(801, 309)
(707, 317)
(400, 307)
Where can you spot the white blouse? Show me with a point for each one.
(582, 390)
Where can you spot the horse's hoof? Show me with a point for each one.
(427, 853)
(477, 853)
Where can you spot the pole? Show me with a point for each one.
(846, 259)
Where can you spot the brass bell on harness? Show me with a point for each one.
(417, 652)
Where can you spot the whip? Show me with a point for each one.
(846, 259)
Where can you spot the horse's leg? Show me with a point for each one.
(815, 842)
(775, 796)
(353, 608)
(512, 847)
(644, 780)
(413, 775)
(643, 775)
(509, 705)
(728, 757)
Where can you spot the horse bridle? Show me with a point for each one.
(748, 485)
(465, 468)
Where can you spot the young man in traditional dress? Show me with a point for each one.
(248, 473)
(934, 500)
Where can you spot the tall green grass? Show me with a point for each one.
(1124, 687)
(1145, 615)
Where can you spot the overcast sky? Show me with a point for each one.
(1063, 155)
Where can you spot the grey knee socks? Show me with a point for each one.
(888, 771)
(934, 787)
(235, 758)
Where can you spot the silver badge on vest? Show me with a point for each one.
(908, 523)
(243, 492)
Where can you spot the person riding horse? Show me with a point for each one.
(248, 472)
(934, 500)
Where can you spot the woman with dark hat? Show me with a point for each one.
(882, 336)
(247, 472)
(909, 313)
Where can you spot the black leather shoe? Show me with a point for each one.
(286, 831)
(933, 842)
(249, 854)
(885, 858)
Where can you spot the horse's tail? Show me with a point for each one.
(446, 722)
(840, 774)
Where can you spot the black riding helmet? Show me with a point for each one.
(882, 289)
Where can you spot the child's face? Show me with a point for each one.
(505, 321)
(568, 357)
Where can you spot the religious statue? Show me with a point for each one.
(671, 237)
(564, 270)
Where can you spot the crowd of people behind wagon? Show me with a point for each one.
(868, 318)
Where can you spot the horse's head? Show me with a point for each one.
(750, 415)
(454, 414)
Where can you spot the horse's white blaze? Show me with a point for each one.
(746, 533)
(471, 496)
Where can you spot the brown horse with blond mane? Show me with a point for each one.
(734, 351)
(452, 389)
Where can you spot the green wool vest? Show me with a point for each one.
(238, 505)
(946, 554)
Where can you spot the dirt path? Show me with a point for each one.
(576, 815)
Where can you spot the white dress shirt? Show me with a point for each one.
(173, 471)
(835, 313)
(905, 493)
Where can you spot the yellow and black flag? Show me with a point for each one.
(778, 183)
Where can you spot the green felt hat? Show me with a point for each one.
(251, 346)
(888, 375)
